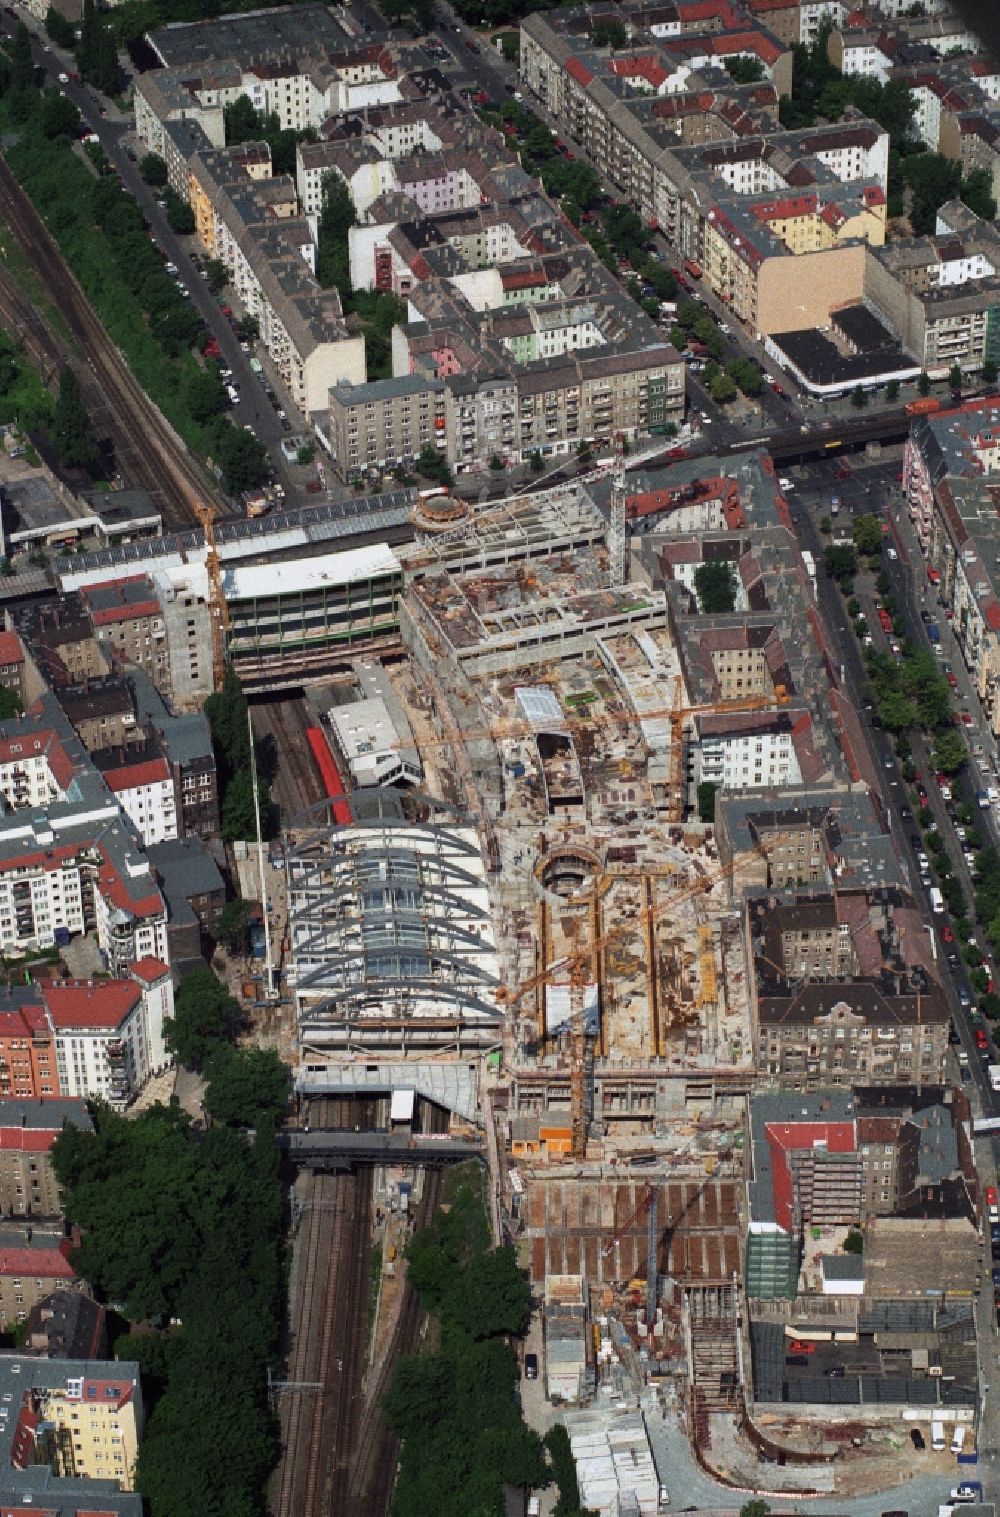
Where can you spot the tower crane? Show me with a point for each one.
(217, 608)
(579, 966)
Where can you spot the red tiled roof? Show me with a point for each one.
(579, 71)
(132, 776)
(11, 651)
(149, 969)
(114, 889)
(747, 42)
(34, 744)
(44, 1263)
(98, 1391)
(782, 1139)
(90, 1003)
(523, 279)
(640, 68)
(27, 1140)
(874, 195)
(25, 1022)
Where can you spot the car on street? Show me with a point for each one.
(947, 935)
(799, 1346)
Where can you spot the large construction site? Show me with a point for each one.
(546, 940)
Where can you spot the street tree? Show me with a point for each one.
(949, 751)
(59, 117)
(924, 384)
(867, 533)
(153, 169)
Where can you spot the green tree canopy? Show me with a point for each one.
(206, 395)
(216, 274)
(932, 179)
(841, 561)
(949, 752)
(59, 117)
(72, 432)
(153, 169)
(706, 800)
(977, 192)
(715, 584)
(337, 216)
(59, 29)
(867, 532)
(204, 1015)
(246, 1086)
(745, 68)
(241, 456)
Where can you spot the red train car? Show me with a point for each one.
(333, 784)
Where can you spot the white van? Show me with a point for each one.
(937, 900)
(937, 1436)
(957, 1440)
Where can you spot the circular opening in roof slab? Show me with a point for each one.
(568, 873)
(440, 513)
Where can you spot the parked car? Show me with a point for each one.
(917, 1438)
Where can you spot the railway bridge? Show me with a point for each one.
(337, 1148)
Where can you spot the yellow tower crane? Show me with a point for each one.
(217, 607)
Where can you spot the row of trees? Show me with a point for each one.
(182, 1233)
(228, 715)
(102, 233)
(455, 1408)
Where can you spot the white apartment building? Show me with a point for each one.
(744, 752)
(145, 792)
(109, 1033)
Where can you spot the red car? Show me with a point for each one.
(953, 681)
(947, 936)
(677, 453)
(982, 1041)
(991, 1195)
(841, 472)
(797, 1346)
(966, 718)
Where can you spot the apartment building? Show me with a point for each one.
(28, 1129)
(940, 294)
(34, 1261)
(777, 221)
(82, 1419)
(102, 713)
(302, 66)
(12, 664)
(128, 619)
(845, 990)
(807, 840)
(145, 790)
(109, 1033)
(386, 422)
(67, 864)
(951, 475)
(250, 221)
(834, 1159)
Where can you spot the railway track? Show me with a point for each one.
(320, 1406)
(376, 1451)
(296, 782)
(152, 455)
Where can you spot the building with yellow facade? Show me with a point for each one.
(70, 1429)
